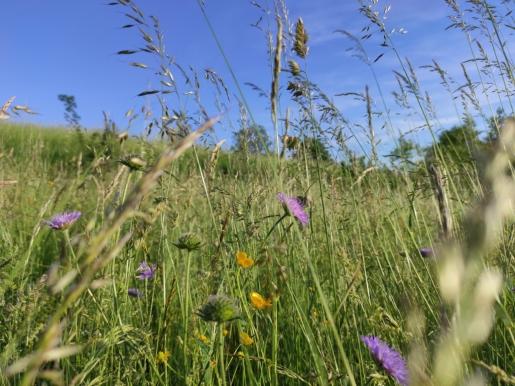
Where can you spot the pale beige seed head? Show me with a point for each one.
(485, 294)
(451, 274)
(3, 111)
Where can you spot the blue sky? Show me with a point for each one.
(69, 47)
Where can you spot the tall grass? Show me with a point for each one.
(355, 269)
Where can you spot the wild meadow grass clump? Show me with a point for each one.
(163, 261)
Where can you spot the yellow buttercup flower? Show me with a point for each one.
(245, 339)
(243, 260)
(259, 301)
(204, 339)
(162, 357)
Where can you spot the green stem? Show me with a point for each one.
(68, 241)
(275, 343)
(275, 224)
(186, 311)
(221, 354)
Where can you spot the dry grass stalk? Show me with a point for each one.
(499, 373)
(441, 198)
(275, 80)
(285, 136)
(115, 182)
(365, 172)
(8, 183)
(371, 132)
(214, 157)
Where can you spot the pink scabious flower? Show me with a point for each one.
(63, 220)
(146, 271)
(293, 206)
(388, 358)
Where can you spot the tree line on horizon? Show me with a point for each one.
(460, 143)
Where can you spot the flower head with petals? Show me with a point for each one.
(388, 358)
(246, 339)
(146, 271)
(244, 260)
(294, 207)
(63, 220)
(259, 302)
(162, 357)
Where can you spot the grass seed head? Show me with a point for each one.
(301, 38)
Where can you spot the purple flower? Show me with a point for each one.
(389, 359)
(294, 207)
(146, 271)
(63, 220)
(134, 292)
(426, 252)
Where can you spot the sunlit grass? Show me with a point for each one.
(190, 265)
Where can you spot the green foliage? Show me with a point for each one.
(405, 152)
(252, 140)
(70, 110)
(312, 149)
(459, 143)
(494, 125)
(354, 270)
(361, 270)
(353, 166)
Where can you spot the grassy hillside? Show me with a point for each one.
(355, 269)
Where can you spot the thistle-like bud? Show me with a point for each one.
(122, 137)
(189, 241)
(133, 162)
(219, 308)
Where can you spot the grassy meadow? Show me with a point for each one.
(236, 290)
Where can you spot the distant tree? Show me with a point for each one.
(459, 142)
(404, 152)
(70, 110)
(252, 139)
(494, 125)
(312, 148)
(353, 165)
